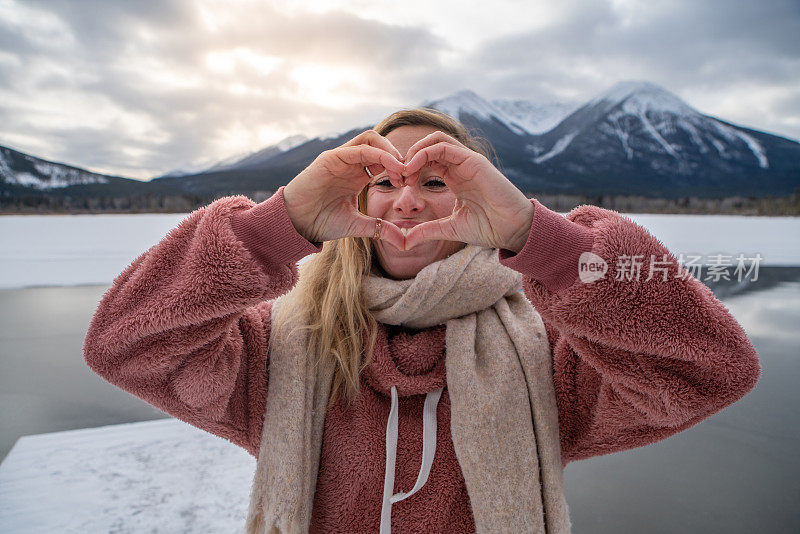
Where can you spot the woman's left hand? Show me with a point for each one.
(490, 211)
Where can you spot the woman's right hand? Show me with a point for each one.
(322, 199)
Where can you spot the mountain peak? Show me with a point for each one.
(536, 118)
(621, 90)
(467, 94)
(290, 142)
(636, 95)
(468, 102)
(464, 101)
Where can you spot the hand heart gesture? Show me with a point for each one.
(322, 200)
(489, 210)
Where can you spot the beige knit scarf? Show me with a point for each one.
(504, 419)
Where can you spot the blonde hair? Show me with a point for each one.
(329, 301)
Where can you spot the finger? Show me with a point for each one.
(440, 229)
(431, 139)
(443, 153)
(366, 155)
(373, 138)
(380, 173)
(389, 232)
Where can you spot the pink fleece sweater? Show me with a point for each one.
(185, 328)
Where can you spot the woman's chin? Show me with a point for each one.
(421, 249)
(407, 263)
(403, 264)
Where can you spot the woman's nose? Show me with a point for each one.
(409, 199)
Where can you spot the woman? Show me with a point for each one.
(400, 380)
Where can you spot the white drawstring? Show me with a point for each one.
(428, 452)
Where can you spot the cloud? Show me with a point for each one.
(140, 88)
(155, 65)
(702, 51)
(722, 41)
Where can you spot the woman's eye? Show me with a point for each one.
(430, 183)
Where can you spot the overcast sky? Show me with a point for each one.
(138, 88)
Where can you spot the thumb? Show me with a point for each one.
(440, 229)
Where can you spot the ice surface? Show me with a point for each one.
(65, 250)
(155, 476)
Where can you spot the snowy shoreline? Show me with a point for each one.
(69, 250)
(134, 477)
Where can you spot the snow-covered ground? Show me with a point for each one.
(102, 480)
(56, 250)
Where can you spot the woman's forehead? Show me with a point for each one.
(403, 137)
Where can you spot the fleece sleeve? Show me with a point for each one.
(185, 326)
(636, 357)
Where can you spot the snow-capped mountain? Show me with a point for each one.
(656, 143)
(241, 160)
(643, 116)
(468, 103)
(536, 118)
(260, 157)
(18, 168)
(23, 175)
(634, 138)
(266, 169)
(520, 116)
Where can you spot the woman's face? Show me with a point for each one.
(428, 200)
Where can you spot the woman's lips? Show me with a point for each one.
(405, 225)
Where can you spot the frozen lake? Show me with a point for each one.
(738, 471)
(58, 250)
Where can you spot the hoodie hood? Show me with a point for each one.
(413, 361)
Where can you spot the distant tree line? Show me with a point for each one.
(185, 203)
(146, 203)
(734, 205)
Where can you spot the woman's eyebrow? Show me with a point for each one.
(425, 173)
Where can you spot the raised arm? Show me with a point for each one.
(185, 326)
(634, 360)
